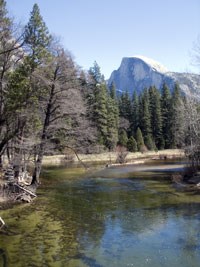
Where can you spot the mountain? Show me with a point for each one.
(139, 72)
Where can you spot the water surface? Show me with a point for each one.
(124, 216)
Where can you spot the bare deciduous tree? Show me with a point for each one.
(60, 101)
(192, 131)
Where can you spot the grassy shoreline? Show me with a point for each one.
(110, 157)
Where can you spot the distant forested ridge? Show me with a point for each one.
(49, 105)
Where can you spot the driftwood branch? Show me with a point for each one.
(84, 165)
(2, 222)
(12, 49)
(25, 190)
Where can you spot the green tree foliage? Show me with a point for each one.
(132, 144)
(94, 83)
(139, 139)
(150, 143)
(177, 118)
(123, 138)
(156, 117)
(103, 108)
(135, 113)
(125, 107)
(112, 119)
(17, 102)
(145, 116)
(112, 90)
(95, 73)
(100, 112)
(36, 38)
(9, 56)
(166, 115)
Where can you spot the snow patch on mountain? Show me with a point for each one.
(153, 64)
(139, 72)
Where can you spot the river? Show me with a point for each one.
(119, 216)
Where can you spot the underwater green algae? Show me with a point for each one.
(99, 219)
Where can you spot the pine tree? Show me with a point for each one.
(37, 45)
(95, 74)
(112, 119)
(36, 38)
(166, 115)
(149, 142)
(139, 139)
(97, 103)
(145, 119)
(9, 56)
(156, 117)
(177, 119)
(112, 90)
(125, 108)
(135, 112)
(123, 138)
(100, 112)
(132, 144)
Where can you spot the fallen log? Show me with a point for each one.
(26, 190)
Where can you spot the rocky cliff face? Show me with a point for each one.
(137, 73)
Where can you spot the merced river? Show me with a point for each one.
(117, 216)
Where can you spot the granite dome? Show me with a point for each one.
(139, 72)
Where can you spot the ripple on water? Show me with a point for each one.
(136, 220)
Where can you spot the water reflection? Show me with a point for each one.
(99, 221)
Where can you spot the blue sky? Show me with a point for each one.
(108, 30)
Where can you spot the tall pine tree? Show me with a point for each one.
(135, 113)
(112, 119)
(36, 38)
(123, 138)
(132, 144)
(139, 139)
(125, 108)
(156, 117)
(145, 119)
(97, 103)
(177, 118)
(166, 116)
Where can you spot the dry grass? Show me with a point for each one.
(110, 157)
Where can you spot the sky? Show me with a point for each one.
(105, 31)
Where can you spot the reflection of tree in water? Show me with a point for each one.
(189, 227)
(86, 215)
(3, 258)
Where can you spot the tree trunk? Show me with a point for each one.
(38, 165)
(1, 162)
(38, 162)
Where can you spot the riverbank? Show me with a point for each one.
(111, 157)
(104, 159)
